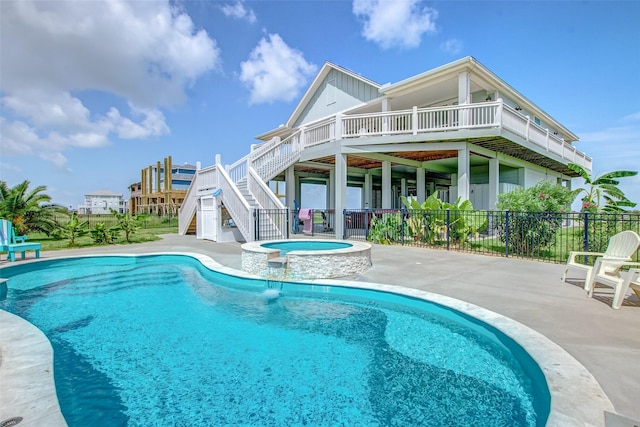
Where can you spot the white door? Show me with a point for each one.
(209, 218)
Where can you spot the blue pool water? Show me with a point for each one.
(162, 340)
(305, 245)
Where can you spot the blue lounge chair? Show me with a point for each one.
(11, 243)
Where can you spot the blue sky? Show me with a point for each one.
(92, 92)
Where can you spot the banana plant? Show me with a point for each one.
(430, 223)
(602, 187)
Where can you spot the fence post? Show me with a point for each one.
(586, 232)
(506, 233)
(287, 213)
(256, 224)
(344, 224)
(402, 226)
(448, 223)
(586, 236)
(366, 224)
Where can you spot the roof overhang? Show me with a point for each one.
(483, 76)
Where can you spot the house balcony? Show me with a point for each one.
(492, 125)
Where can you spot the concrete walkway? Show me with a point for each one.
(605, 341)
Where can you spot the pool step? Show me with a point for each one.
(278, 262)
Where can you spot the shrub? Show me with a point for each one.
(535, 216)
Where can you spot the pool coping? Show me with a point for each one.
(576, 396)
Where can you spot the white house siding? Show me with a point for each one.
(337, 92)
(532, 177)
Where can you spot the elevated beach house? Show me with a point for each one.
(458, 130)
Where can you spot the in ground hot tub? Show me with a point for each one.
(305, 259)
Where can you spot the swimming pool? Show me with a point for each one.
(152, 334)
(305, 245)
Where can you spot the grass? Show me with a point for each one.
(141, 235)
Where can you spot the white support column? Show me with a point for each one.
(420, 185)
(368, 191)
(386, 185)
(386, 106)
(463, 173)
(340, 193)
(494, 182)
(464, 97)
(331, 190)
(290, 187)
(403, 187)
(338, 127)
(464, 88)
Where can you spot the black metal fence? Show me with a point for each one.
(544, 236)
(271, 224)
(316, 222)
(152, 221)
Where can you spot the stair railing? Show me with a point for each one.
(274, 157)
(236, 204)
(266, 199)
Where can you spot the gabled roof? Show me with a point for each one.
(430, 77)
(308, 95)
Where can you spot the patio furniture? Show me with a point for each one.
(634, 280)
(620, 249)
(11, 243)
(615, 280)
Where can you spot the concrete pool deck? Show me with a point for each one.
(605, 341)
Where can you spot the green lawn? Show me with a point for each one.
(140, 236)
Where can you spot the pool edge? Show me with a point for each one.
(576, 396)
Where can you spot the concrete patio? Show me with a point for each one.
(603, 340)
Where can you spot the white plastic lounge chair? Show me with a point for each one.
(633, 276)
(620, 249)
(602, 274)
(9, 242)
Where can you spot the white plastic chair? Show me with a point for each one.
(615, 280)
(619, 250)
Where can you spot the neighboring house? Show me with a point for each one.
(156, 193)
(101, 202)
(458, 130)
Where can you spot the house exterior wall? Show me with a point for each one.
(337, 92)
(98, 204)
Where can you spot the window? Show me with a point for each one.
(536, 120)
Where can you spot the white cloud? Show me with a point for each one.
(142, 51)
(62, 126)
(451, 46)
(395, 23)
(275, 72)
(145, 53)
(238, 11)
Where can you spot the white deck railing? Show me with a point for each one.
(416, 121)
